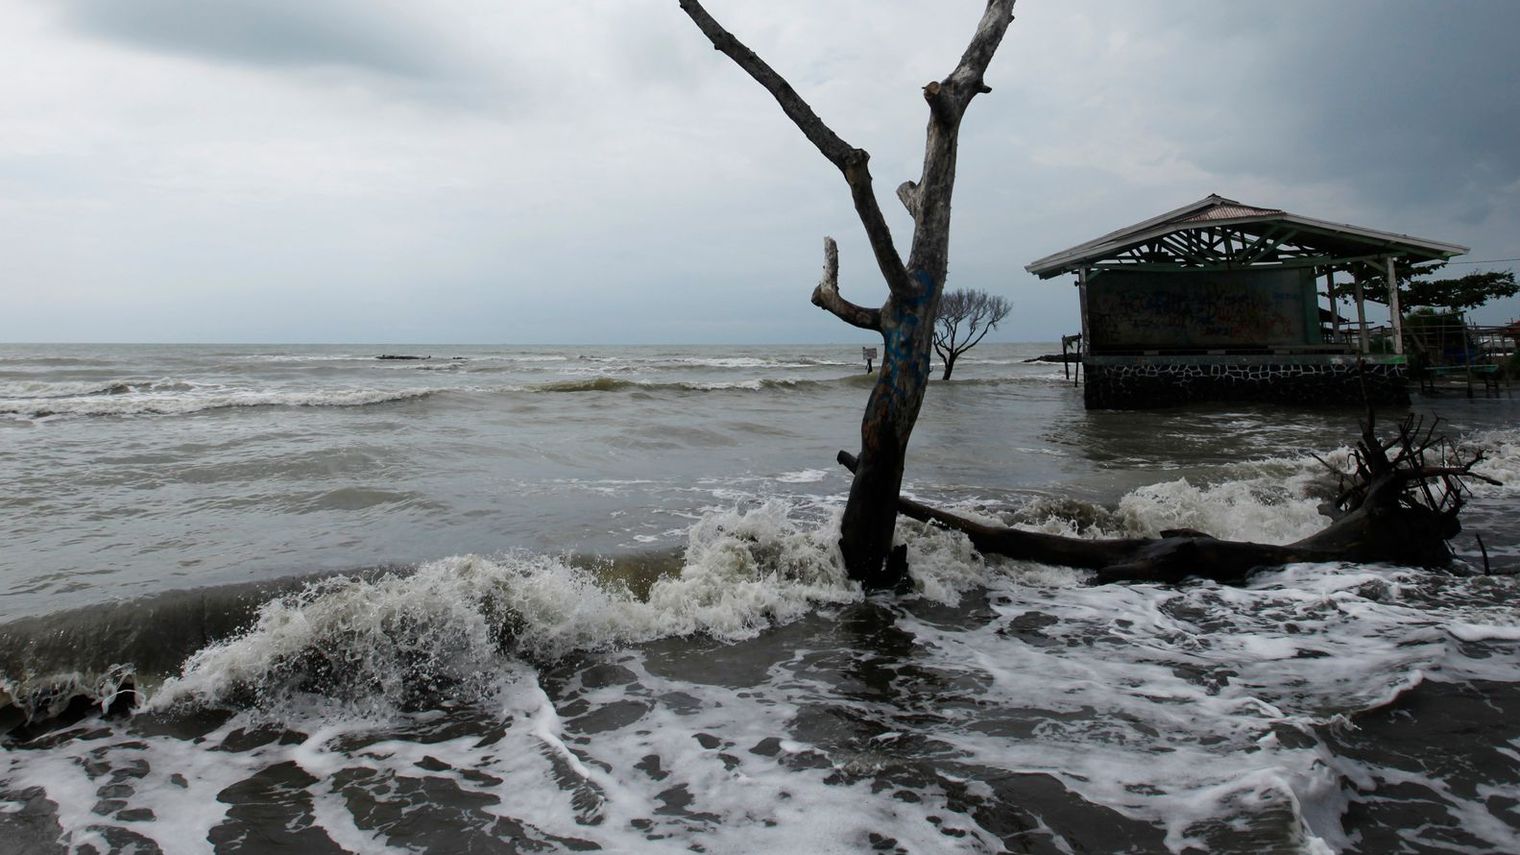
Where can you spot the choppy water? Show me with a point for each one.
(538, 599)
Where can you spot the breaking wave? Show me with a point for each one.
(1208, 716)
(614, 384)
(740, 572)
(128, 399)
(414, 635)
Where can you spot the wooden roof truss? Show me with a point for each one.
(1217, 234)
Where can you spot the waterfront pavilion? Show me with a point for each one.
(1219, 300)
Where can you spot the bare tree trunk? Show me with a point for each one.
(949, 365)
(906, 321)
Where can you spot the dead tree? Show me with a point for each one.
(906, 320)
(977, 312)
(1397, 505)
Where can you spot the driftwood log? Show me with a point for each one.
(1399, 505)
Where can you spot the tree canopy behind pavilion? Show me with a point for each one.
(1456, 293)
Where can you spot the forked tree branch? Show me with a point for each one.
(928, 199)
(978, 340)
(965, 82)
(826, 295)
(851, 161)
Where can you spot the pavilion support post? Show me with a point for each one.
(1084, 347)
(1082, 299)
(1395, 314)
(1361, 317)
(1335, 312)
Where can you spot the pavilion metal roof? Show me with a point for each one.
(1216, 233)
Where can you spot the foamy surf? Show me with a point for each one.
(127, 399)
(1196, 718)
(407, 639)
(737, 694)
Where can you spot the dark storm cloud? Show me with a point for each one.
(278, 33)
(1405, 101)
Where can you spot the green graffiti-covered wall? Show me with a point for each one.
(1253, 308)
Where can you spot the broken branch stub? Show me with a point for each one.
(826, 295)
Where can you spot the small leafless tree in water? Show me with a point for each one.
(965, 318)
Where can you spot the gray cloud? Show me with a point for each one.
(1404, 100)
(278, 33)
(591, 170)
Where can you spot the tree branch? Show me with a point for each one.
(965, 82)
(851, 161)
(978, 340)
(826, 295)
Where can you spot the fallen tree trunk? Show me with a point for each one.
(1396, 509)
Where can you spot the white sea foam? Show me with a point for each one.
(197, 399)
(1198, 710)
(49, 390)
(1166, 703)
(623, 790)
(1501, 452)
(743, 571)
(439, 628)
(803, 476)
(1195, 710)
(942, 563)
(1261, 509)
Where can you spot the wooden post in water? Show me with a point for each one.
(868, 354)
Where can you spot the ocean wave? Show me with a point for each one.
(298, 357)
(126, 400)
(1265, 510)
(441, 630)
(617, 384)
(1501, 457)
(1275, 501)
(413, 637)
(588, 384)
(174, 397)
(803, 476)
(48, 390)
(667, 363)
(51, 361)
(1186, 718)
(741, 571)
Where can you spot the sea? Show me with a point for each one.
(542, 599)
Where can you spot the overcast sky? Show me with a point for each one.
(591, 171)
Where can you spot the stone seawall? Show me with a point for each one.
(1152, 382)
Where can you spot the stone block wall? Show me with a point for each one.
(1148, 384)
